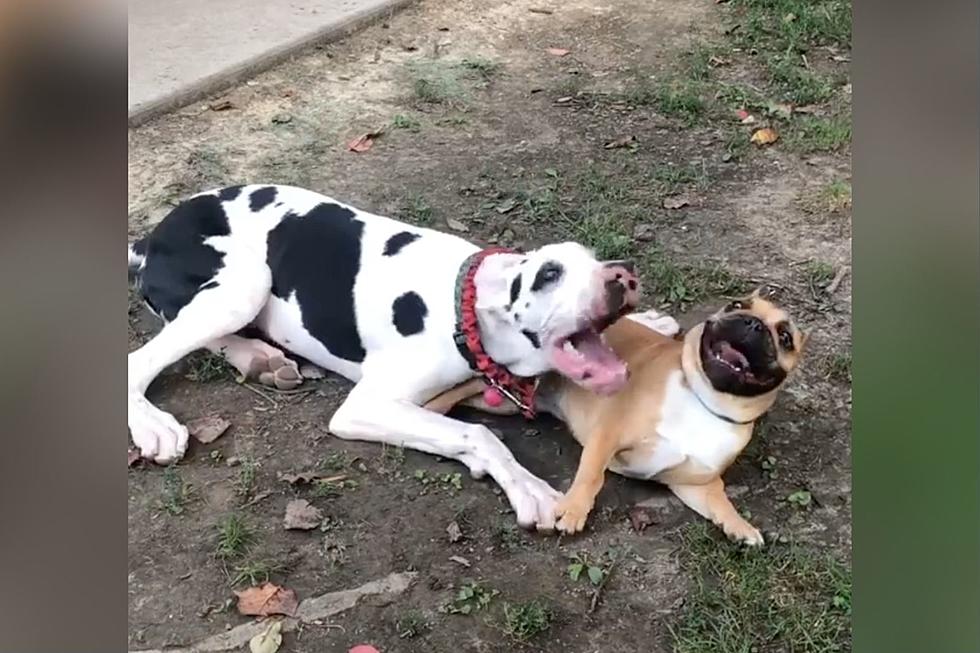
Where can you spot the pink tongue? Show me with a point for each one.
(732, 356)
(593, 365)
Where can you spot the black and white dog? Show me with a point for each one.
(376, 301)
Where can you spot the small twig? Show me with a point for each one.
(540, 10)
(261, 394)
(598, 591)
(833, 285)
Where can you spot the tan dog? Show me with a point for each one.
(687, 411)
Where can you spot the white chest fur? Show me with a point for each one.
(688, 433)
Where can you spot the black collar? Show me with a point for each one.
(723, 418)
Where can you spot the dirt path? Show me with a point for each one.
(488, 128)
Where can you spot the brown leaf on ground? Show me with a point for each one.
(301, 515)
(675, 202)
(641, 517)
(558, 52)
(765, 136)
(364, 142)
(207, 429)
(134, 457)
(267, 599)
(460, 560)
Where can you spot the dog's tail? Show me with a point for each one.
(137, 258)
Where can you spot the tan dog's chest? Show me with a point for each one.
(687, 445)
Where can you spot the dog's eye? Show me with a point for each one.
(734, 306)
(547, 274)
(786, 340)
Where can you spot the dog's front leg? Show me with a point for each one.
(373, 414)
(575, 506)
(710, 501)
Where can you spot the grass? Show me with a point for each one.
(255, 572)
(581, 563)
(835, 197)
(326, 489)
(812, 134)
(401, 121)
(336, 461)
(523, 621)
(837, 367)
(781, 598)
(670, 178)
(679, 285)
(234, 537)
(819, 274)
(681, 99)
(451, 482)
(797, 84)
(449, 83)
(206, 367)
(176, 493)
(245, 481)
(792, 26)
(412, 624)
(417, 211)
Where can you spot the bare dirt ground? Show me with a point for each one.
(631, 142)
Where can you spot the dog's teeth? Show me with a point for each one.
(568, 347)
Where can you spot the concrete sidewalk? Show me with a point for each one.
(183, 50)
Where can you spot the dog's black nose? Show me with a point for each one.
(752, 323)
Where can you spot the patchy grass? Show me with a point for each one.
(819, 274)
(837, 367)
(450, 482)
(337, 461)
(681, 99)
(234, 537)
(680, 284)
(255, 572)
(325, 488)
(206, 367)
(412, 624)
(581, 563)
(449, 83)
(402, 121)
(813, 134)
(176, 493)
(669, 179)
(417, 211)
(245, 480)
(833, 198)
(523, 621)
(781, 598)
(797, 84)
(792, 26)
(471, 597)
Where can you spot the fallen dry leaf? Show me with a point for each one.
(675, 202)
(455, 532)
(460, 560)
(456, 225)
(267, 599)
(765, 136)
(268, 641)
(134, 457)
(207, 429)
(506, 206)
(364, 142)
(558, 52)
(563, 100)
(301, 515)
(807, 108)
(626, 141)
(641, 517)
(221, 105)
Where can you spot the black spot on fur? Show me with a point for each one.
(230, 193)
(548, 274)
(178, 262)
(318, 256)
(261, 198)
(533, 337)
(408, 314)
(515, 289)
(398, 241)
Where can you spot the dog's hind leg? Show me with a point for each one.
(255, 359)
(242, 290)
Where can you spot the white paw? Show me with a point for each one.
(157, 434)
(744, 533)
(533, 501)
(665, 325)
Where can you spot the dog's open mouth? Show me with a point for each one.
(584, 357)
(729, 356)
